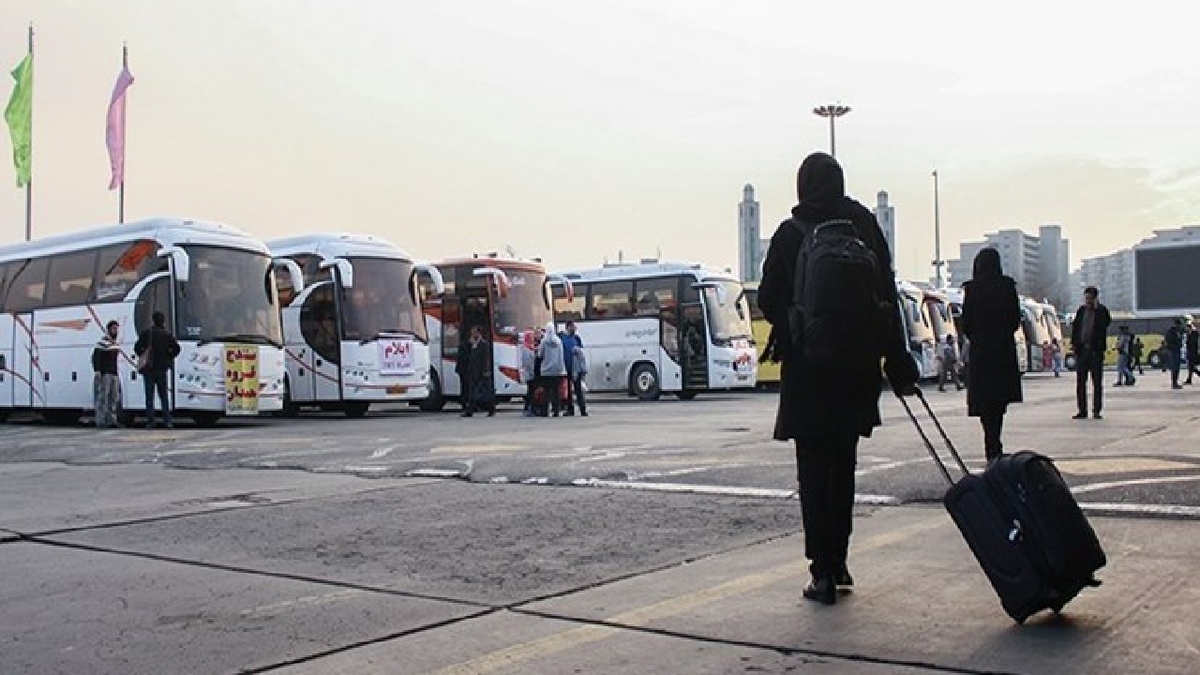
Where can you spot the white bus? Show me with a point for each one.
(918, 327)
(504, 296)
(352, 328)
(653, 327)
(213, 282)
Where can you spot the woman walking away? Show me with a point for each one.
(990, 316)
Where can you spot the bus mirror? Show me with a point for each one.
(560, 280)
(344, 269)
(295, 274)
(722, 296)
(497, 275)
(179, 260)
(435, 278)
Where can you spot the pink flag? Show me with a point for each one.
(115, 136)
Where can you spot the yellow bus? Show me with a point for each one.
(768, 371)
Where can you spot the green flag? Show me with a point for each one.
(19, 115)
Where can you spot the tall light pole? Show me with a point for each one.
(832, 112)
(937, 234)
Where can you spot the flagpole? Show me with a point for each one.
(121, 193)
(29, 183)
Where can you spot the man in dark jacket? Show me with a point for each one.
(474, 372)
(1089, 338)
(1172, 346)
(825, 410)
(156, 348)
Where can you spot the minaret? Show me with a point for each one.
(749, 243)
(886, 215)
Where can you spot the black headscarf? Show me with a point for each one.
(987, 264)
(821, 189)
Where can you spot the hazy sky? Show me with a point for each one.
(575, 130)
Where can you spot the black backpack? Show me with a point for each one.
(836, 318)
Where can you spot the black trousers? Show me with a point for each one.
(1193, 366)
(550, 383)
(1089, 364)
(575, 394)
(992, 420)
(825, 466)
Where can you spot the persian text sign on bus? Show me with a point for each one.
(396, 357)
(241, 380)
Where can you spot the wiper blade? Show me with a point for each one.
(392, 333)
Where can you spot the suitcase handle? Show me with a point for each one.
(937, 459)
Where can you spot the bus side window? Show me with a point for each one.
(71, 277)
(7, 271)
(570, 310)
(611, 300)
(27, 291)
(120, 267)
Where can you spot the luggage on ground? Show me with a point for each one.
(1023, 525)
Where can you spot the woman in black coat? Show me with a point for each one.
(991, 315)
(825, 411)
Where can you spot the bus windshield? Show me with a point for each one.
(229, 297)
(916, 318)
(729, 320)
(524, 307)
(380, 302)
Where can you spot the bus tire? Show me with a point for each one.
(686, 394)
(643, 382)
(356, 409)
(435, 401)
(1069, 362)
(206, 420)
(1154, 360)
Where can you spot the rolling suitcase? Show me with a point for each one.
(1023, 525)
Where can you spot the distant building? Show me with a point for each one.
(1112, 275)
(750, 245)
(886, 215)
(1039, 264)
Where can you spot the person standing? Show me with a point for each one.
(106, 383)
(1124, 356)
(1056, 348)
(1192, 349)
(1089, 335)
(554, 367)
(156, 349)
(1172, 344)
(991, 315)
(475, 364)
(576, 362)
(948, 364)
(1135, 355)
(826, 405)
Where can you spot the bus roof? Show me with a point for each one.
(619, 271)
(493, 261)
(338, 245)
(166, 231)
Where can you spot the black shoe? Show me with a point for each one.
(464, 414)
(1079, 416)
(1096, 415)
(583, 413)
(843, 578)
(821, 590)
(491, 413)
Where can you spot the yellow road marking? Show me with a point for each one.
(1094, 467)
(583, 635)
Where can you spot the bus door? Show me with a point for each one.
(448, 359)
(477, 311)
(693, 346)
(7, 340)
(321, 380)
(25, 387)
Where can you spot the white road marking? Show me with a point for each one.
(1150, 509)
(1093, 487)
(435, 473)
(722, 490)
(382, 452)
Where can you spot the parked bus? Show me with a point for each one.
(1038, 331)
(214, 283)
(941, 318)
(653, 326)
(506, 297)
(353, 330)
(918, 328)
(769, 373)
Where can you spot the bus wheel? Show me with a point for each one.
(356, 409)
(1154, 360)
(686, 394)
(206, 420)
(435, 402)
(1069, 362)
(643, 382)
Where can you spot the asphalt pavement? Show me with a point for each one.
(645, 538)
